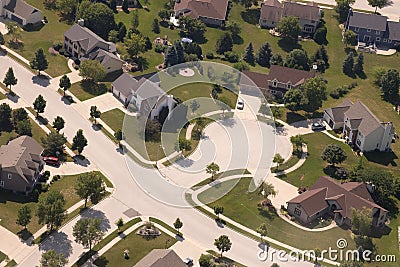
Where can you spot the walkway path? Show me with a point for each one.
(189, 131)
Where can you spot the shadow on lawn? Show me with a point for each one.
(251, 16)
(288, 45)
(382, 158)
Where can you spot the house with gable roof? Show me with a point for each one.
(211, 12)
(83, 44)
(161, 258)
(143, 92)
(277, 82)
(328, 195)
(20, 12)
(272, 12)
(361, 127)
(20, 164)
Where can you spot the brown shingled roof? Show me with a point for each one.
(203, 8)
(161, 258)
(303, 11)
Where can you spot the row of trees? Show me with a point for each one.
(351, 68)
(388, 80)
(50, 209)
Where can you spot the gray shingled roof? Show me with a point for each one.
(367, 21)
(127, 84)
(394, 30)
(337, 113)
(103, 56)
(271, 10)
(22, 156)
(302, 11)
(161, 258)
(21, 8)
(368, 123)
(203, 8)
(86, 38)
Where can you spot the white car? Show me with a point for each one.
(240, 104)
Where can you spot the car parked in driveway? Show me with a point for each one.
(188, 261)
(318, 126)
(51, 161)
(240, 104)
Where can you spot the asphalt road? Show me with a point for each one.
(103, 153)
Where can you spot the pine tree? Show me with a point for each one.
(224, 44)
(2, 41)
(156, 26)
(125, 6)
(323, 54)
(359, 66)
(39, 62)
(264, 55)
(348, 64)
(180, 55)
(171, 58)
(9, 79)
(249, 54)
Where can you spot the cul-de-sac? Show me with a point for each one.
(208, 133)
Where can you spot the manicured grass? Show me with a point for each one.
(44, 38)
(114, 118)
(10, 203)
(288, 164)
(85, 90)
(222, 175)
(137, 246)
(6, 136)
(314, 166)
(163, 224)
(2, 96)
(2, 256)
(241, 206)
(225, 259)
(11, 263)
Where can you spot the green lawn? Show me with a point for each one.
(114, 118)
(2, 96)
(44, 38)
(2, 256)
(85, 90)
(10, 203)
(314, 166)
(241, 206)
(138, 247)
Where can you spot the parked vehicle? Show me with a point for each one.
(240, 104)
(318, 126)
(51, 161)
(188, 261)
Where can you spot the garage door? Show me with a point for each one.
(17, 19)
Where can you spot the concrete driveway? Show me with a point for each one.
(392, 11)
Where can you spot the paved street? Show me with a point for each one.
(102, 152)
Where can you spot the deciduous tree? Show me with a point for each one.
(58, 123)
(50, 209)
(54, 143)
(289, 27)
(79, 141)
(361, 221)
(218, 210)
(314, 93)
(390, 84)
(350, 38)
(5, 115)
(135, 44)
(92, 70)
(90, 186)
(223, 244)
(262, 230)
(297, 59)
(52, 259)
(278, 159)
(88, 232)
(378, 3)
(333, 154)
(65, 83)
(294, 99)
(24, 216)
(178, 224)
(95, 113)
(212, 169)
(39, 105)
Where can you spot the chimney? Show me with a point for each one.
(81, 22)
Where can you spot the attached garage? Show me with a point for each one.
(17, 19)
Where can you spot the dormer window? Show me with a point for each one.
(289, 85)
(356, 29)
(377, 32)
(368, 30)
(9, 176)
(275, 83)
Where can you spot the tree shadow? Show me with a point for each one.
(33, 27)
(362, 75)
(378, 232)
(24, 235)
(237, 39)
(92, 213)
(292, 117)
(16, 44)
(59, 242)
(81, 161)
(101, 261)
(288, 45)
(251, 16)
(382, 158)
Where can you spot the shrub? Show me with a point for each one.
(210, 55)
(62, 51)
(353, 85)
(57, 45)
(46, 175)
(232, 57)
(159, 48)
(320, 35)
(44, 187)
(56, 177)
(335, 94)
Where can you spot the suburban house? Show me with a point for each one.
(19, 11)
(20, 164)
(211, 12)
(84, 44)
(144, 93)
(361, 127)
(276, 82)
(374, 29)
(328, 195)
(161, 258)
(272, 11)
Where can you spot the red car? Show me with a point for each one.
(51, 160)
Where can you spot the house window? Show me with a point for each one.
(378, 39)
(297, 212)
(356, 29)
(358, 142)
(389, 41)
(289, 85)
(377, 32)
(9, 176)
(275, 83)
(385, 40)
(368, 30)
(367, 38)
(2, 183)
